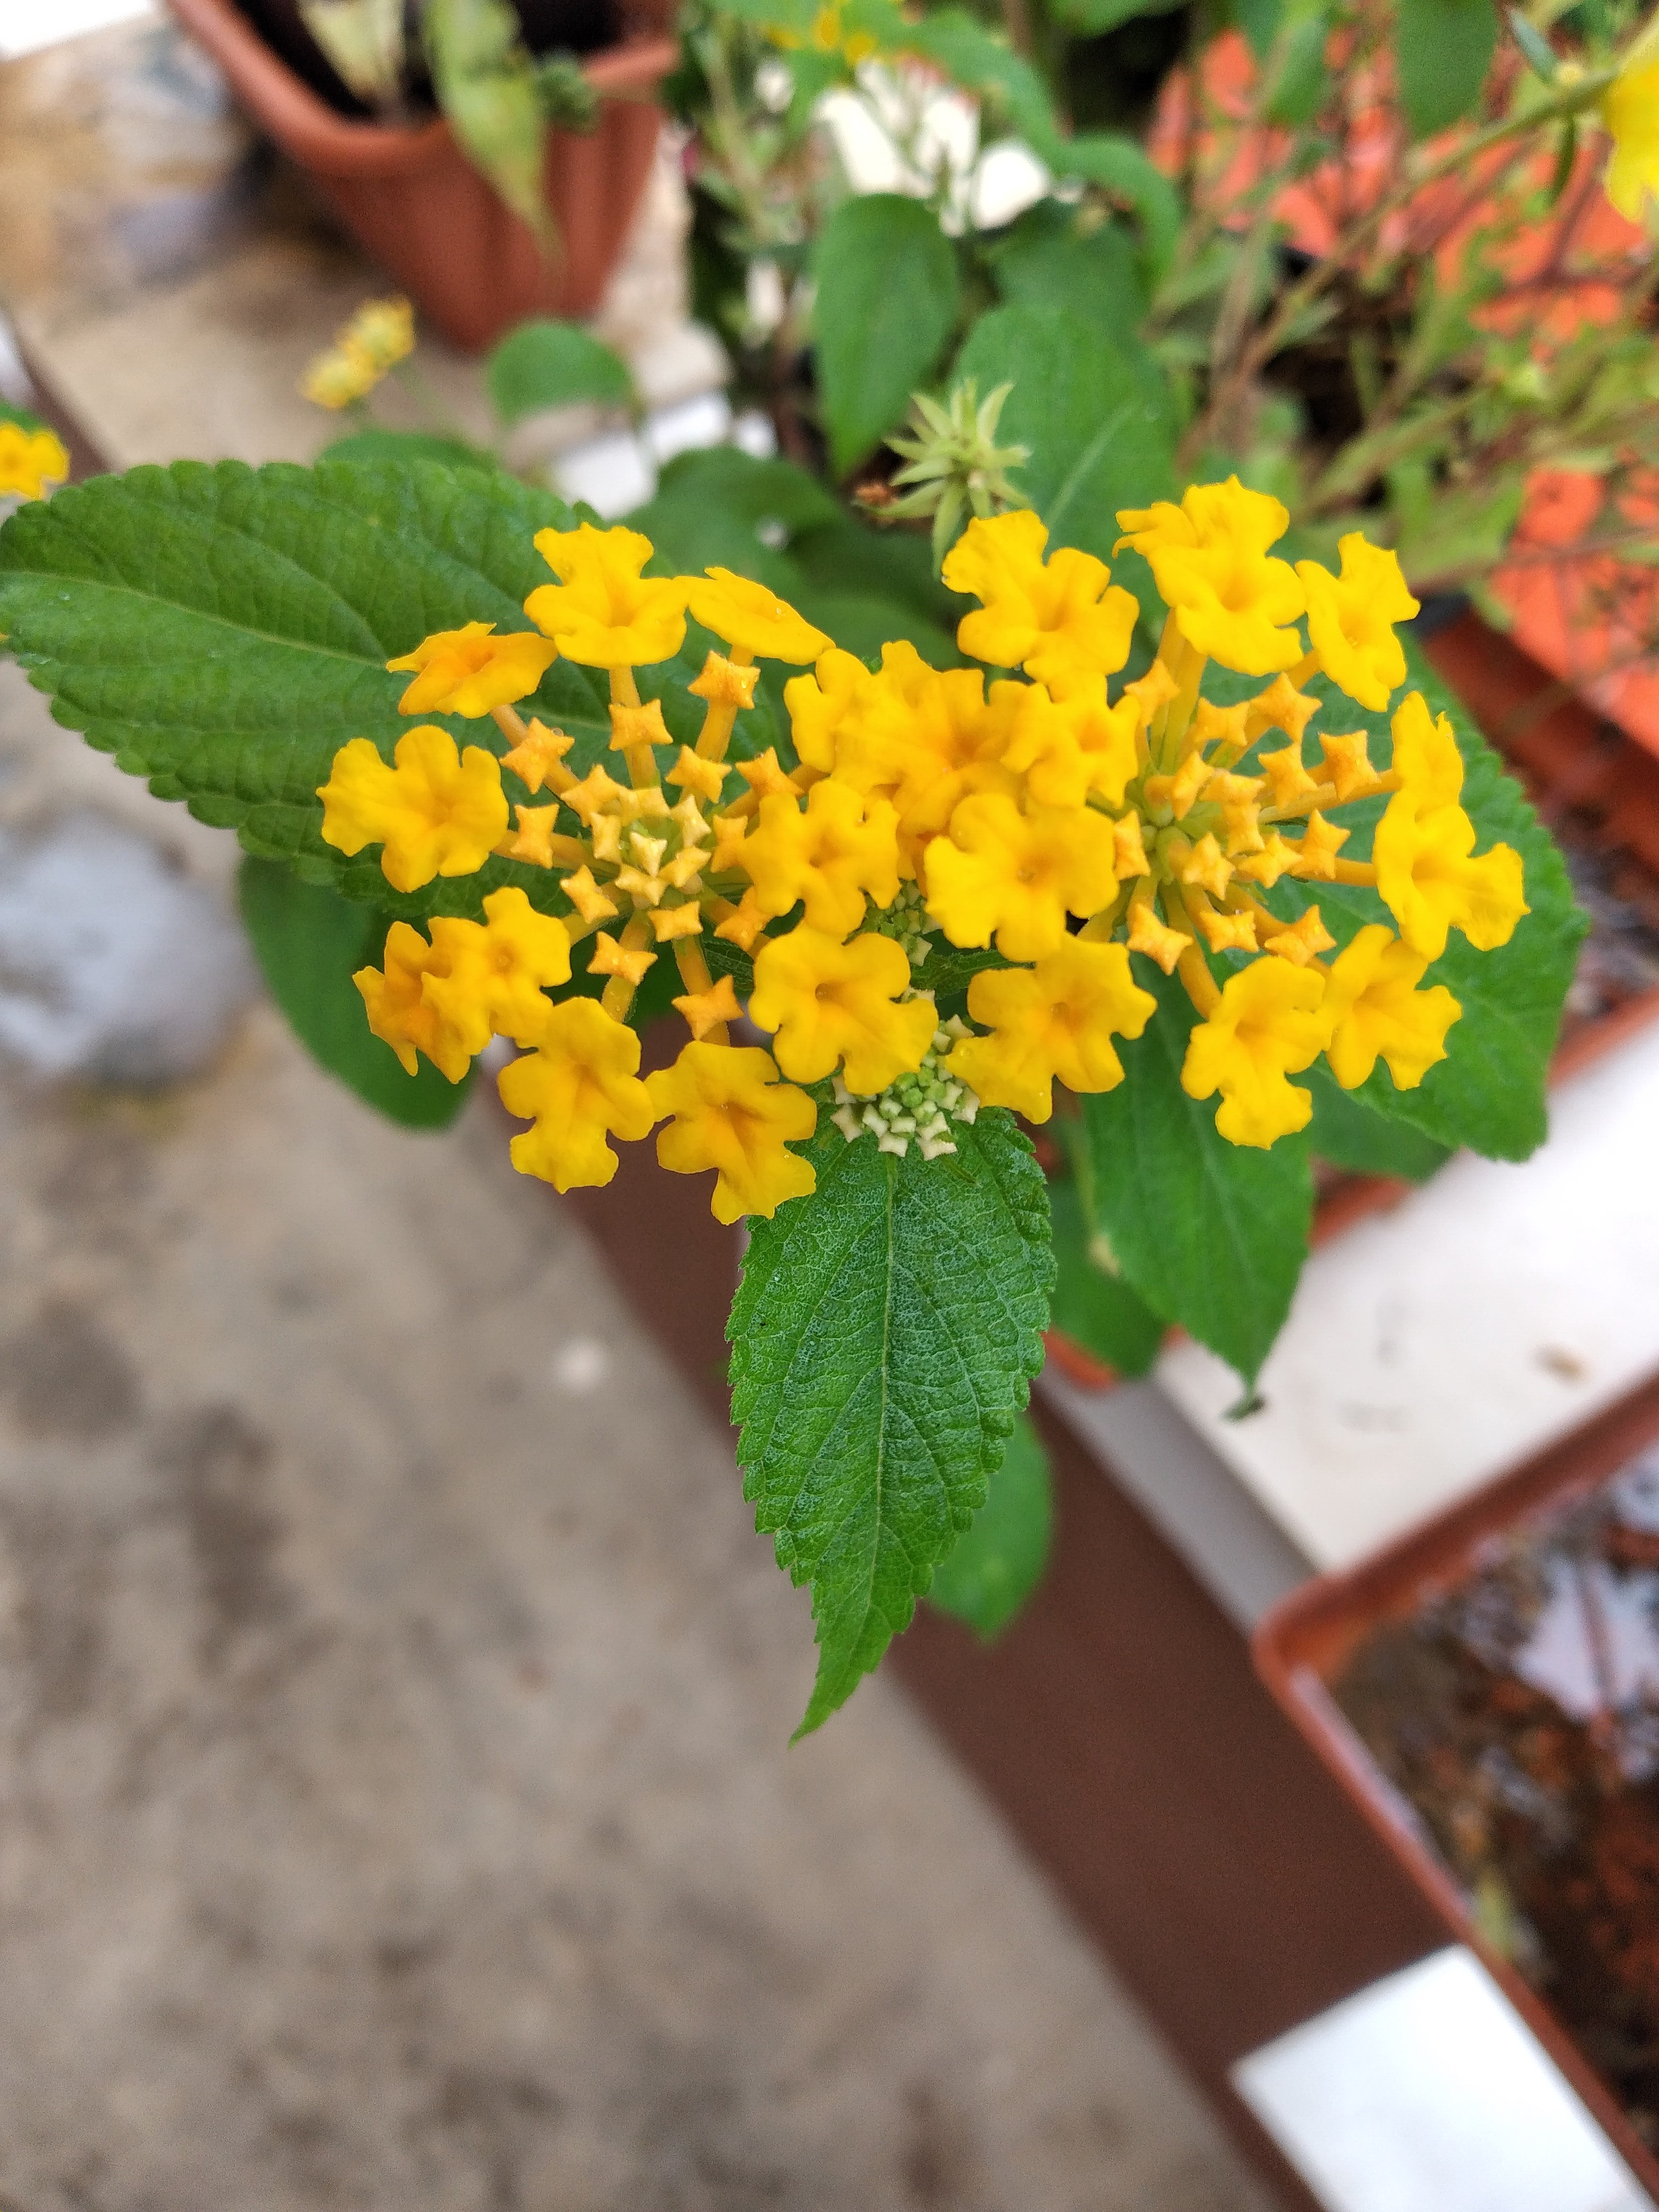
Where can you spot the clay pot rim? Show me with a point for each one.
(1300, 1644)
(340, 146)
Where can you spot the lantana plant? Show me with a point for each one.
(1188, 895)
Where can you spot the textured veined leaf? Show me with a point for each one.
(224, 630)
(884, 1337)
(1211, 1233)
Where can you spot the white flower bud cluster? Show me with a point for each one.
(920, 1106)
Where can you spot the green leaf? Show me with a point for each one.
(1124, 169)
(20, 415)
(888, 295)
(310, 941)
(489, 87)
(884, 1337)
(1443, 48)
(1047, 262)
(377, 444)
(1095, 1307)
(988, 1578)
(224, 630)
(552, 364)
(1092, 18)
(1098, 419)
(1211, 1234)
(1350, 1133)
(1302, 77)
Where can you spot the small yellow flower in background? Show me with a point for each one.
(731, 1114)
(1017, 876)
(1351, 619)
(602, 611)
(1630, 108)
(1064, 622)
(30, 460)
(402, 1015)
(830, 856)
(828, 1003)
(1056, 1019)
(340, 377)
(379, 336)
(1209, 556)
(1425, 873)
(385, 329)
(753, 620)
(471, 670)
(580, 1085)
(1266, 1026)
(439, 813)
(1376, 1012)
(498, 973)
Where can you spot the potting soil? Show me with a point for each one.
(1517, 1712)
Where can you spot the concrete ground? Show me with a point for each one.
(396, 1809)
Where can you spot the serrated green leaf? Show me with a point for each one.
(887, 293)
(883, 1338)
(1096, 1309)
(1349, 1133)
(1211, 1234)
(1096, 420)
(1443, 48)
(546, 364)
(988, 1577)
(309, 942)
(224, 630)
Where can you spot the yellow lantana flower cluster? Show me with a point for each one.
(1038, 815)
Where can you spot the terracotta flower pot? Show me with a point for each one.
(432, 220)
(1378, 1639)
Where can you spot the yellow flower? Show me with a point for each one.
(347, 372)
(1019, 875)
(731, 1114)
(29, 461)
(1267, 1025)
(471, 670)
(1422, 849)
(1210, 557)
(751, 619)
(1630, 108)
(1054, 1019)
(602, 611)
(828, 1002)
(1069, 747)
(439, 813)
(1351, 619)
(1064, 622)
(402, 1014)
(385, 329)
(497, 973)
(1376, 1011)
(841, 847)
(579, 1085)
(821, 704)
(926, 739)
